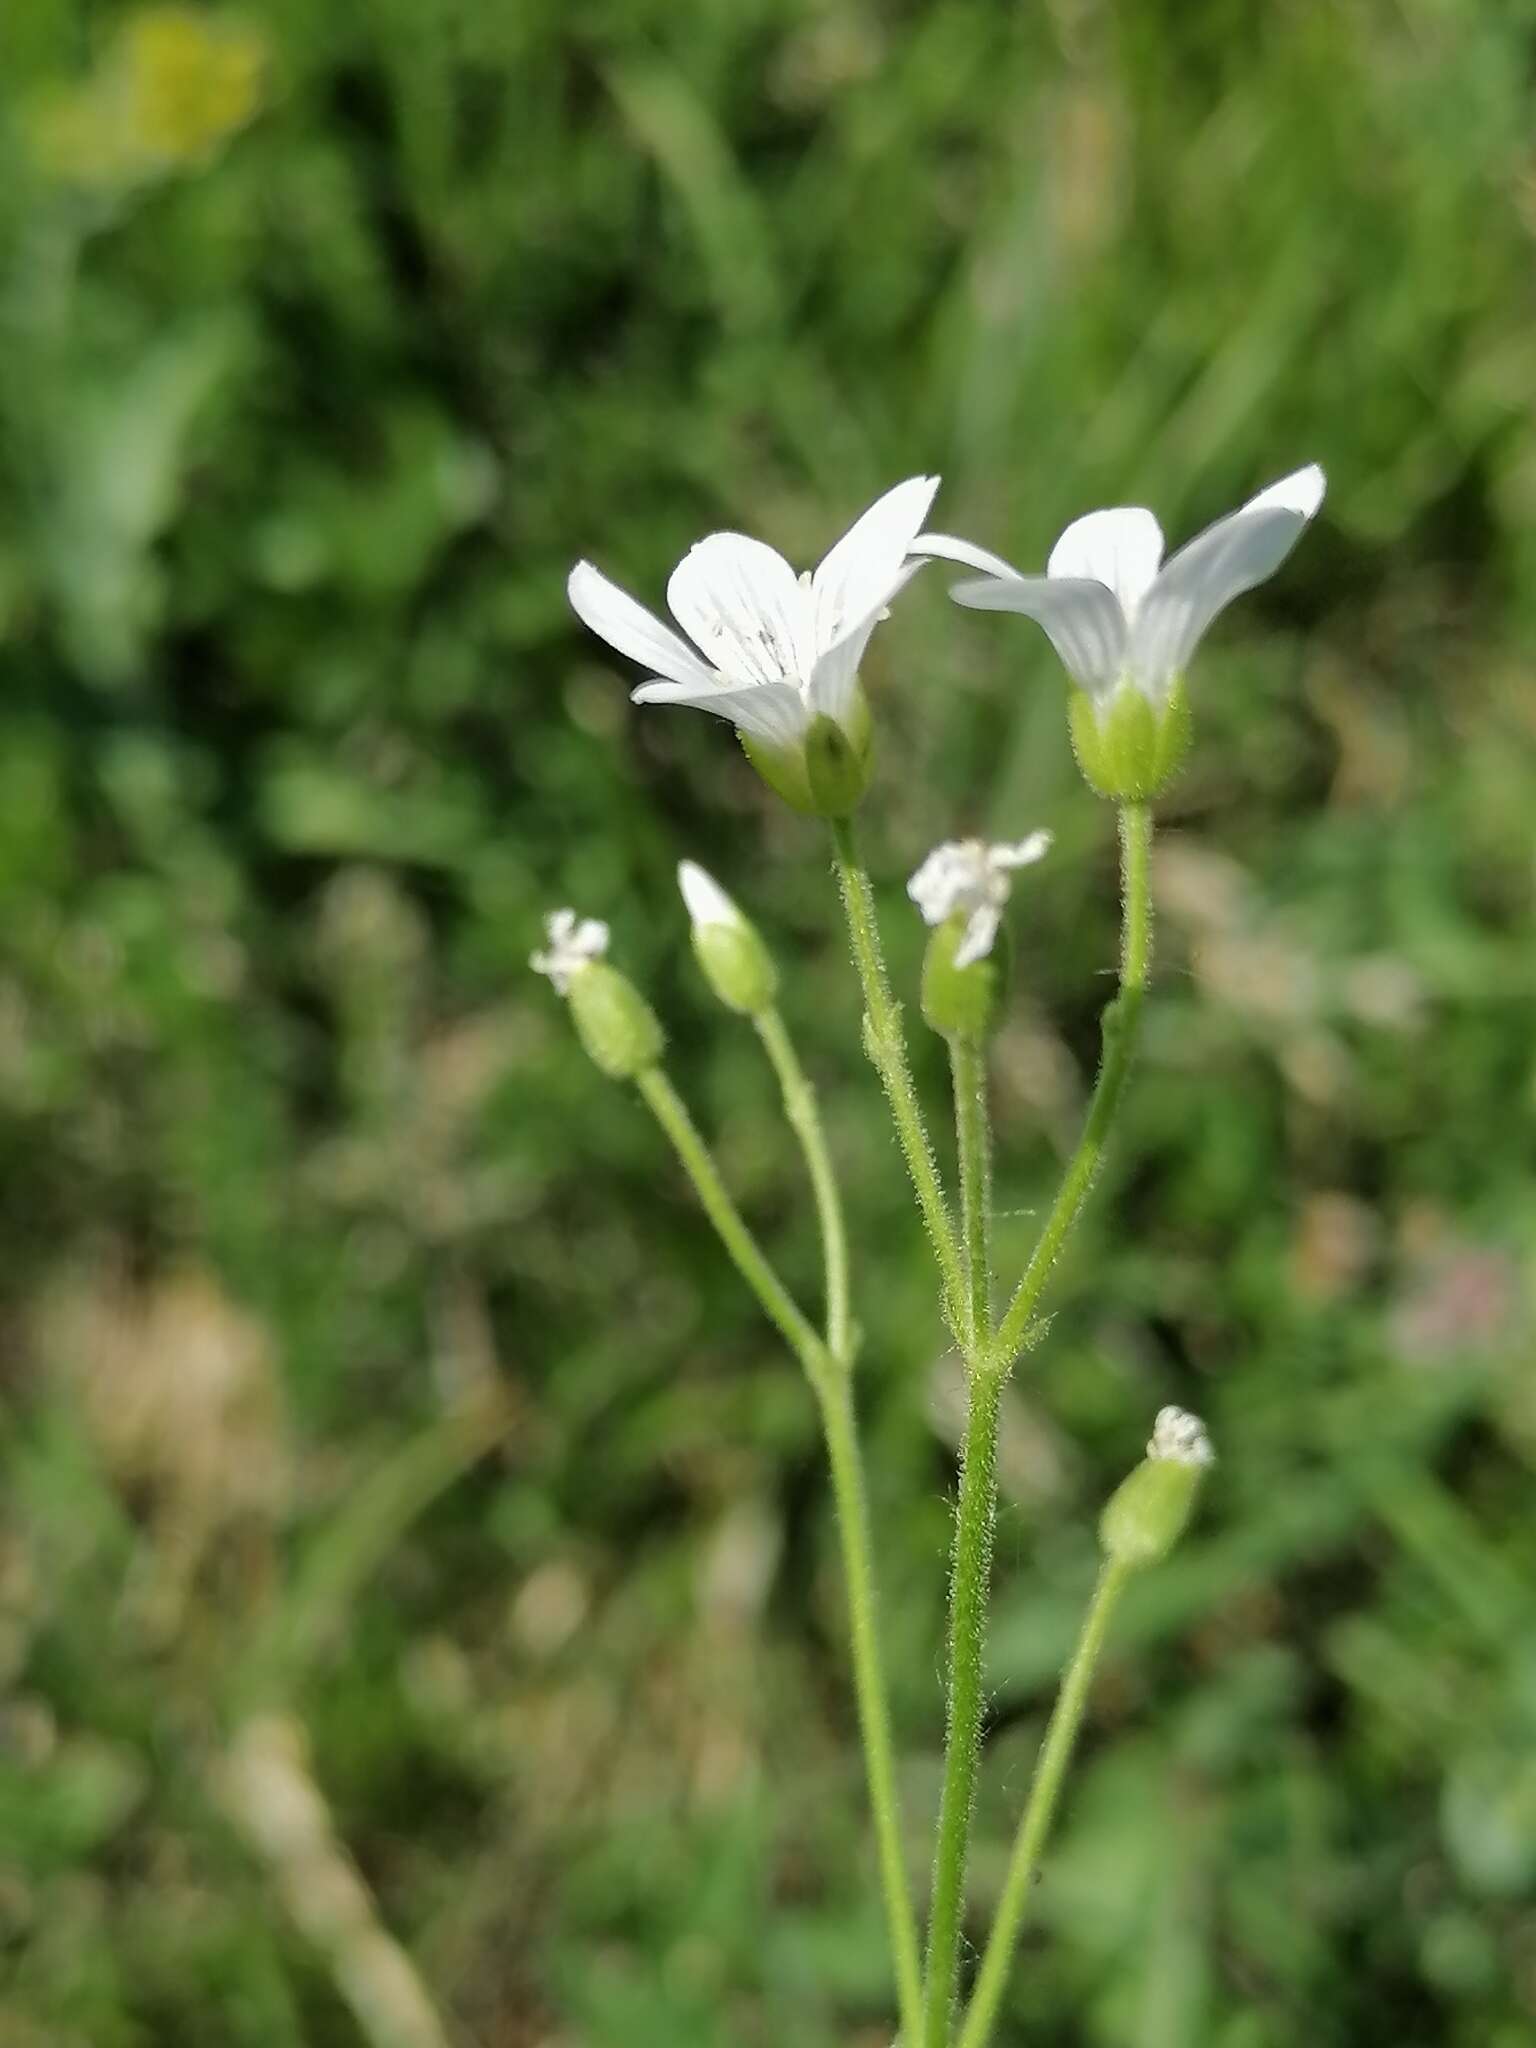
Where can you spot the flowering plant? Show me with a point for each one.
(778, 657)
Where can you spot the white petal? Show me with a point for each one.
(1301, 491)
(950, 874)
(1120, 547)
(615, 617)
(744, 606)
(862, 572)
(830, 686)
(706, 901)
(1083, 619)
(774, 712)
(573, 943)
(1217, 566)
(1023, 853)
(946, 547)
(1180, 1438)
(980, 931)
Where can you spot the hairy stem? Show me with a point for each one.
(971, 1564)
(805, 1120)
(1122, 1021)
(968, 1068)
(1040, 1809)
(970, 1583)
(669, 1110)
(886, 1046)
(871, 1692)
(829, 1377)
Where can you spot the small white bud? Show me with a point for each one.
(1150, 1509)
(1180, 1438)
(970, 878)
(707, 902)
(574, 943)
(736, 963)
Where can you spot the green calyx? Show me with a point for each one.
(827, 772)
(737, 966)
(1149, 1511)
(617, 1027)
(963, 1002)
(1129, 748)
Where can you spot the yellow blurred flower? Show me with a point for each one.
(192, 81)
(171, 90)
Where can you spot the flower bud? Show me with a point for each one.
(963, 998)
(617, 1027)
(736, 963)
(1128, 746)
(1149, 1511)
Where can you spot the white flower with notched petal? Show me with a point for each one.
(966, 876)
(777, 654)
(1126, 623)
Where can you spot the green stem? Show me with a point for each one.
(870, 1690)
(1121, 1024)
(975, 1520)
(667, 1107)
(887, 1048)
(805, 1120)
(1044, 1792)
(829, 1377)
(970, 1581)
(968, 1068)
(989, 1358)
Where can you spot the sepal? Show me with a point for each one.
(964, 1002)
(1128, 747)
(618, 1029)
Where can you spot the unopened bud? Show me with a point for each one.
(1150, 1510)
(616, 1025)
(736, 963)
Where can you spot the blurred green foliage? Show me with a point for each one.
(369, 1369)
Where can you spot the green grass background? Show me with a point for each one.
(365, 1360)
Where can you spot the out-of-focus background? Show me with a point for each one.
(419, 1616)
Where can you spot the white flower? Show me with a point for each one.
(968, 875)
(1179, 1438)
(1112, 613)
(573, 943)
(706, 902)
(774, 650)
